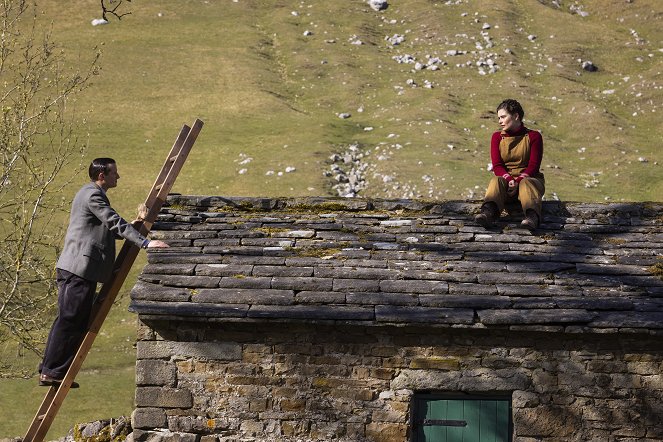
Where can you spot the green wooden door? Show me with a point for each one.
(439, 419)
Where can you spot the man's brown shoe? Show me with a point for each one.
(47, 381)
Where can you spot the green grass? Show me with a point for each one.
(266, 91)
(107, 381)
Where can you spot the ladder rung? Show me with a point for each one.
(172, 159)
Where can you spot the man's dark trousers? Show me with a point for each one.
(75, 299)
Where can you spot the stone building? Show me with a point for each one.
(393, 320)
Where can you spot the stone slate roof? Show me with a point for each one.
(590, 268)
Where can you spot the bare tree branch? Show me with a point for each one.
(39, 154)
(107, 10)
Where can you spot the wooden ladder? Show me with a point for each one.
(125, 259)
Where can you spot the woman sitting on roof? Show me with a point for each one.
(516, 154)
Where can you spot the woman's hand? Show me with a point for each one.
(513, 188)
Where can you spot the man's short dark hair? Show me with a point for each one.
(99, 165)
(512, 107)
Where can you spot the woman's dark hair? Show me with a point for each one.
(99, 165)
(512, 107)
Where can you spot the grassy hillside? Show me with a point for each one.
(270, 79)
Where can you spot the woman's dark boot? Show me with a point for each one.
(489, 214)
(531, 221)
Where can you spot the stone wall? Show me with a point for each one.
(207, 381)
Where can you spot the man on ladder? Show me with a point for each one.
(87, 258)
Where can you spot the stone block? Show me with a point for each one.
(435, 363)
(386, 432)
(546, 421)
(534, 316)
(293, 404)
(163, 397)
(245, 282)
(283, 271)
(355, 285)
(414, 286)
(149, 418)
(301, 283)
(222, 351)
(223, 269)
(331, 312)
(156, 372)
(385, 313)
(525, 399)
(355, 273)
(244, 296)
(143, 290)
(367, 298)
(305, 297)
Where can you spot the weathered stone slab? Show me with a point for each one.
(414, 286)
(163, 397)
(244, 296)
(539, 267)
(186, 309)
(534, 316)
(335, 235)
(189, 281)
(155, 292)
(301, 283)
(221, 270)
(311, 312)
(355, 285)
(506, 256)
(182, 258)
(217, 351)
(355, 273)
(368, 263)
(477, 266)
(156, 372)
(282, 271)
(614, 269)
(267, 242)
(472, 289)
(367, 298)
(512, 278)
(431, 315)
(652, 320)
(463, 301)
(246, 282)
(149, 418)
(256, 260)
(312, 297)
(424, 227)
(611, 303)
(165, 225)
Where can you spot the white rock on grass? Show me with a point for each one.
(378, 5)
(395, 40)
(344, 115)
(290, 169)
(99, 21)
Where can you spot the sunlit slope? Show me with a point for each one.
(270, 79)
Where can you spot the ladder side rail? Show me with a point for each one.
(45, 403)
(169, 180)
(175, 150)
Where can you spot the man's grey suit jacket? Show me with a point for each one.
(89, 246)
